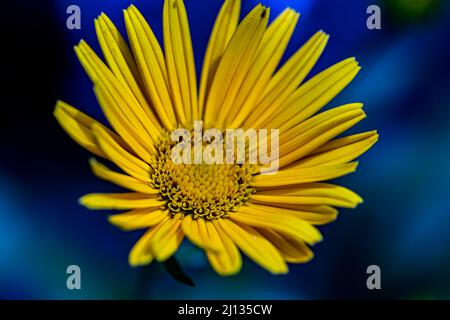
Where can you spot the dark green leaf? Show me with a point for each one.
(174, 269)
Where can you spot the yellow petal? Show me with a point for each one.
(121, 62)
(138, 218)
(294, 176)
(151, 65)
(77, 131)
(79, 127)
(314, 94)
(289, 225)
(286, 80)
(310, 194)
(228, 261)
(235, 63)
(329, 126)
(180, 61)
(167, 238)
(197, 233)
(291, 250)
(309, 135)
(255, 246)
(126, 161)
(141, 253)
(119, 201)
(210, 234)
(224, 27)
(118, 121)
(123, 180)
(99, 73)
(314, 214)
(318, 119)
(109, 28)
(340, 150)
(269, 54)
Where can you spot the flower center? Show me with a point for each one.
(204, 190)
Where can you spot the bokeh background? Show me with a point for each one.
(403, 225)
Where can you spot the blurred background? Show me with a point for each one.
(403, 225)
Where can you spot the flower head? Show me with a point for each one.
(147, 93)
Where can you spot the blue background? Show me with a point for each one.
(403, 225)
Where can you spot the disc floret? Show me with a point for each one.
(203, 190)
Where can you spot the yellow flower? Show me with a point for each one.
(146, 93)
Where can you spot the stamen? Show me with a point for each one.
(208, 191)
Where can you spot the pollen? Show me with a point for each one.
(208, 191)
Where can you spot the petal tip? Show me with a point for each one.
(84, 201)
